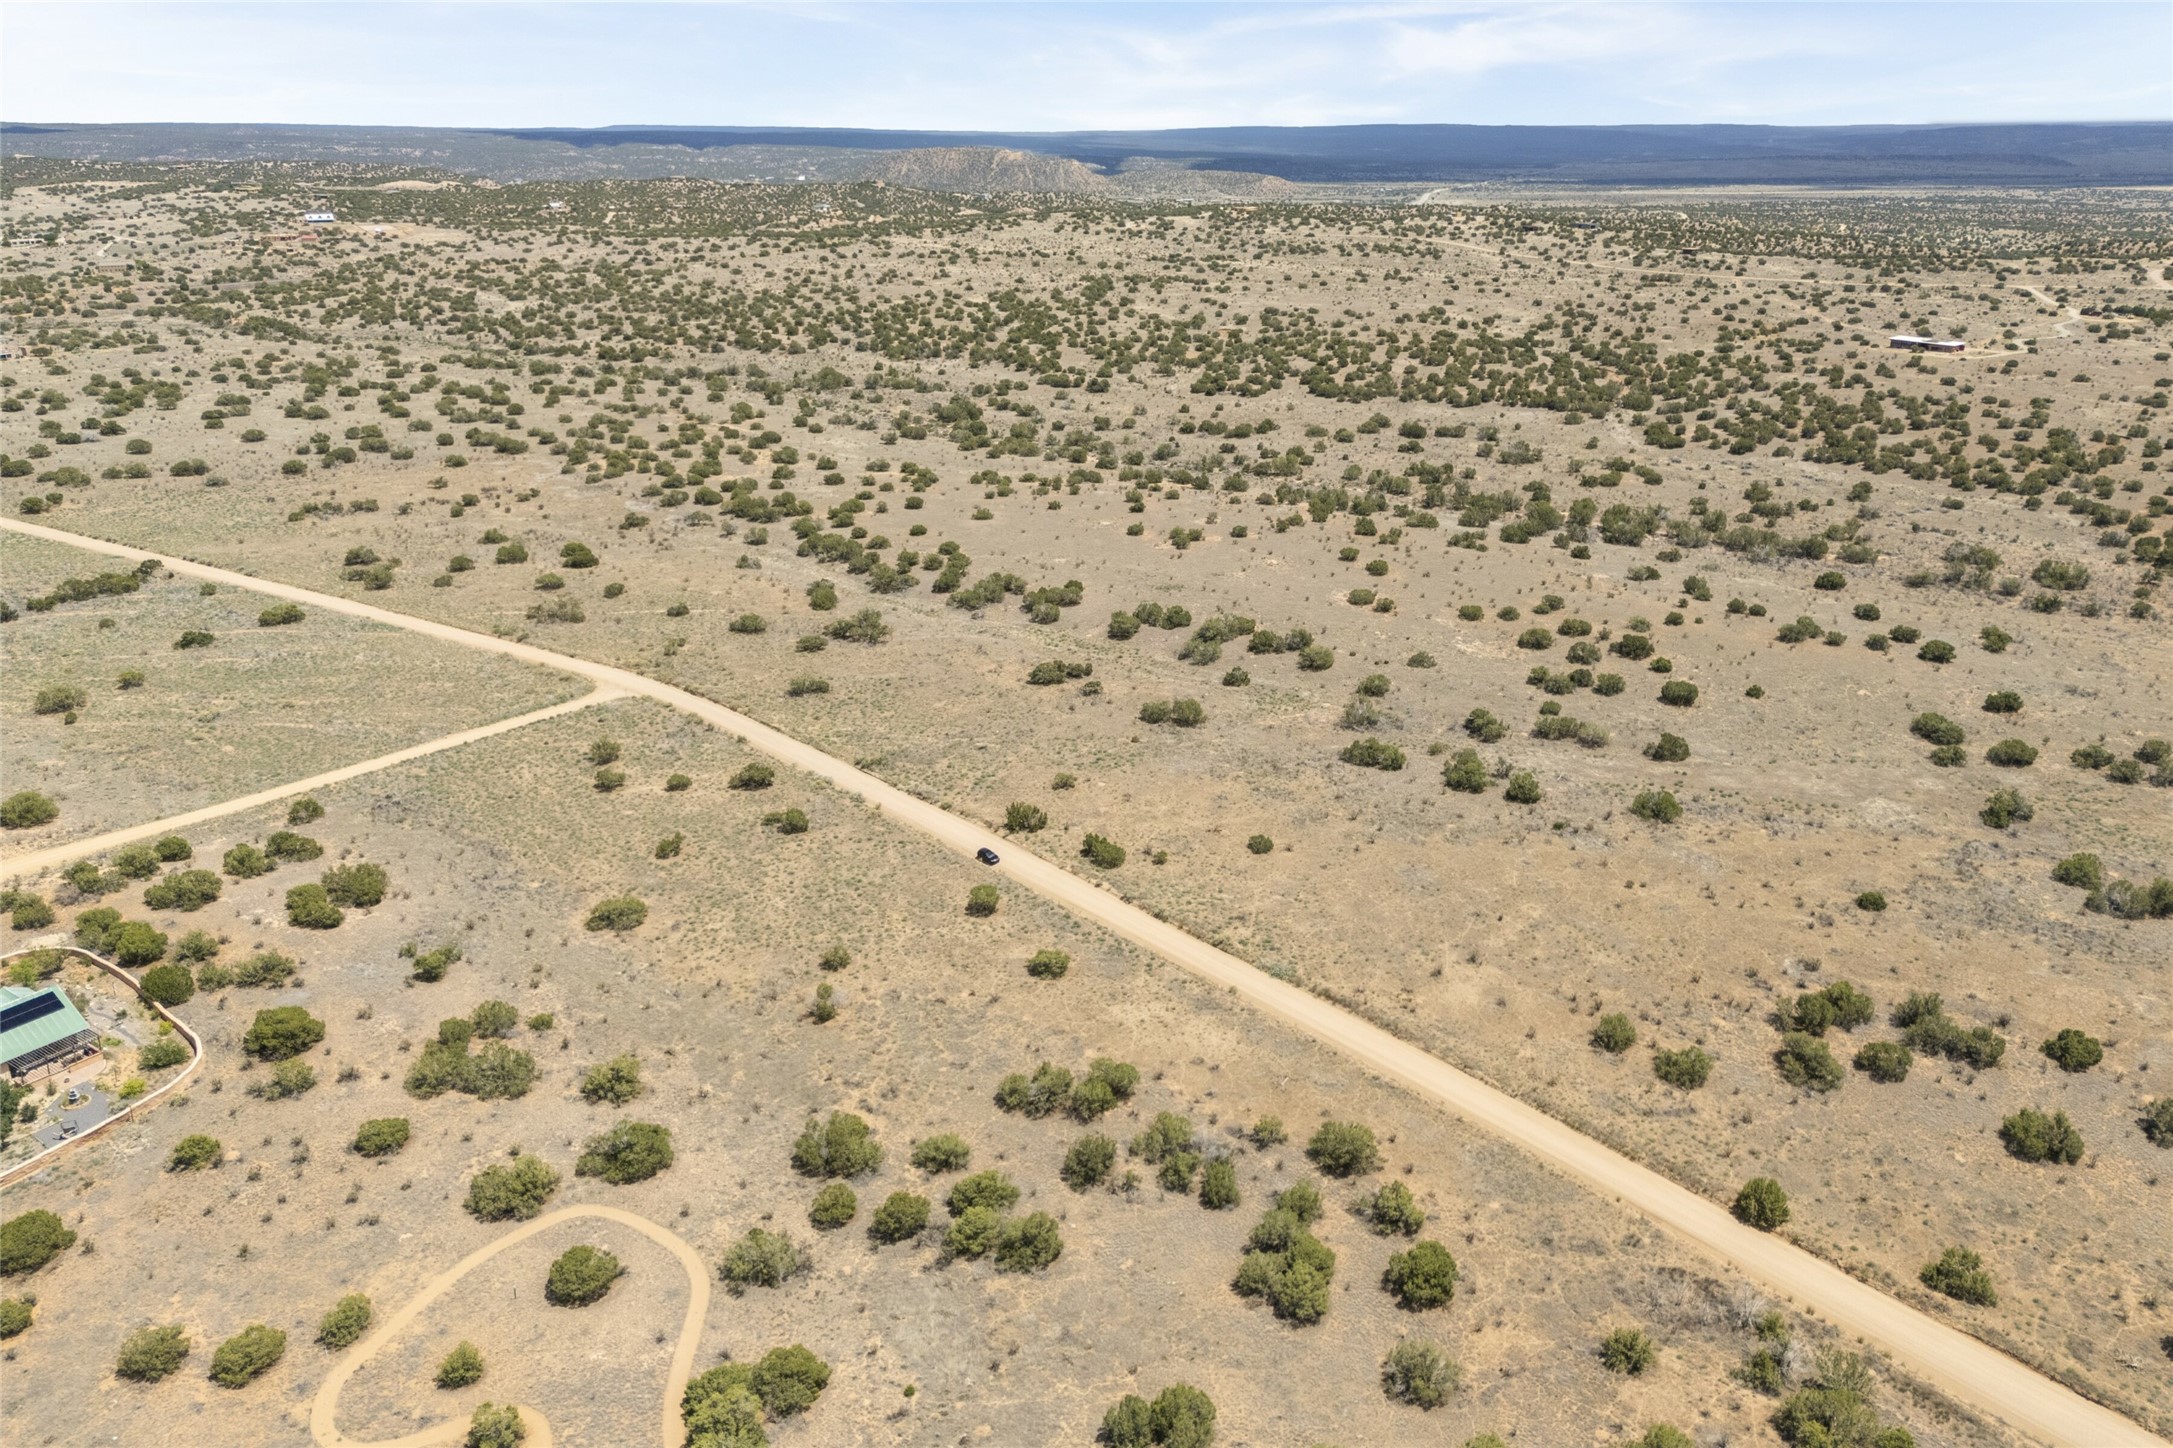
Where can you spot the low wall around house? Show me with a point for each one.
(130, 1110)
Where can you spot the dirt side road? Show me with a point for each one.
(35, 861)
(324, 1408)
(1969, 1371)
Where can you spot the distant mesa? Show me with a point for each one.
(1226, 161)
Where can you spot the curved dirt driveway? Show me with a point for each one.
(324, 1408)
(35, 861)
(1965, 1369)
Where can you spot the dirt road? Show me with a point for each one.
(1969, 1371)
(34, 861)
(324, 1408)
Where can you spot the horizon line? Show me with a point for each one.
(1101, 130)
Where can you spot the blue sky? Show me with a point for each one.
(1060, 66)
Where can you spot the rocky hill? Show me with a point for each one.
(980, 168)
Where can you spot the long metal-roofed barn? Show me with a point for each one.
(1908, 343)
(41, 1031)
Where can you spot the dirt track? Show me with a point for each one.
(1969, 1371)
(35, 861)
(324, 1408)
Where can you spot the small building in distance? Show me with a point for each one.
(1907, 343)
(41, 1032)
(319, 218)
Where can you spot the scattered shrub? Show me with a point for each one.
(1045, 1092)
(1372, 753)
(1027, 1244)
(1106, 1083)
(1628, 1351)
(1421, 1278)
(1959, 1273)
(2072, 1050)
(1885, 1061)
(1343, 1149)
(843, 1146)
(1048, 964)
(2011, 754)
(2030, 1135)
(1181, 1416)
(902, 1216)
(265, 968)
(32, 1239)
(1614, 1034)
(1523, 788)
(614, 1082)
(763, 1258)
(309, 907)
(620, 913)
(947, 1152)
(2157, 1122)
(495, 1425)
(1806, 1063)
(1668, 749)
(1088, 1162)
(1285, 1265)
(863, 627)
(137, 943)
(183, 890)
(1466, 773)
(357, 886)
(631, 1151)
(381, 1136)
(510, 1191)
(151, 1353)
(431, 965)
(247, 1355)
(1937, 729)
(246, 862)
(1762, 1204)
(1686, 1068)
(344, 1325)
(1657, 805)
(580, 1276)
(1927, 1030)
(282, 1031)
(59, 699)
(460, 1368)
(1420, 1374)
(833, 1207)
(981, 900)
(1393, 1210)
(288, 1079)
(165, 1052)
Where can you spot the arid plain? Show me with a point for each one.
(1201, 533)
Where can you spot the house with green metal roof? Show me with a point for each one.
(41, 1031)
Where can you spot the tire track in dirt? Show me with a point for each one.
(36, 861)
(324, 1407)
(1967, 1370)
